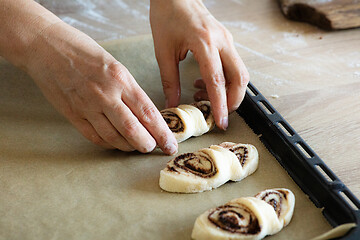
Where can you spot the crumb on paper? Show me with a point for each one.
(320, 37)
(274, 96)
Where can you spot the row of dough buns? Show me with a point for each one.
(186, 121)
(249, 218)
(209, 168)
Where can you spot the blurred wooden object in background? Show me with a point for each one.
(329, 15)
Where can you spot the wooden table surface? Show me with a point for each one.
(312, 77)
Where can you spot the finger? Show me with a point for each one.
(212, 73)
(169, 72)
(88, 131)
(150, 117)
(122, 118)
(199, 83)
(108, 132)
(201, 95)
(237, 77)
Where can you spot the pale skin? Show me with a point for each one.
(98, 95)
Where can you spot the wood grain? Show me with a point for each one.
(330, 15)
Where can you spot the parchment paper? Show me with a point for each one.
(54, 184)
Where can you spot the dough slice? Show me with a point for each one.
(282, 200)
(179, 122)
(205, 108)
(200, 125)
(247, 157)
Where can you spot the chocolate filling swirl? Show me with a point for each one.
(198, 163)
(204, 108)
(274, 198)
(241, 152)
(235, 219)
(173, 121)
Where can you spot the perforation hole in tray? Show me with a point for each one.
(252, 91)
(285, 128)
(266, 107)
(305, 150)
(325, 173)
(348, 198)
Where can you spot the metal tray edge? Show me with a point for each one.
(303, 165)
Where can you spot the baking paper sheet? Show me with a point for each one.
(54, 184)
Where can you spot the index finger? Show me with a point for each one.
(212, 73)
(150, 117)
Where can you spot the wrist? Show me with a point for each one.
(172, 8)
(170, 4)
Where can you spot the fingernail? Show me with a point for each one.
(170, 148)
(224, 123)
(150, 146)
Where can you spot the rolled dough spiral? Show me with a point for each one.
(282, 200)
(209, 168)
(247, 218)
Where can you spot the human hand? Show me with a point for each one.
(179, 26)
(95, 92)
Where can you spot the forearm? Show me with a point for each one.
(22, 21)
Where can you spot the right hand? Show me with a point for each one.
(95, 92)
(179, 26)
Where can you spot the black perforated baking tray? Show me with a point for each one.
(304, 166)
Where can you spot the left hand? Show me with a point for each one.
(179, 26)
